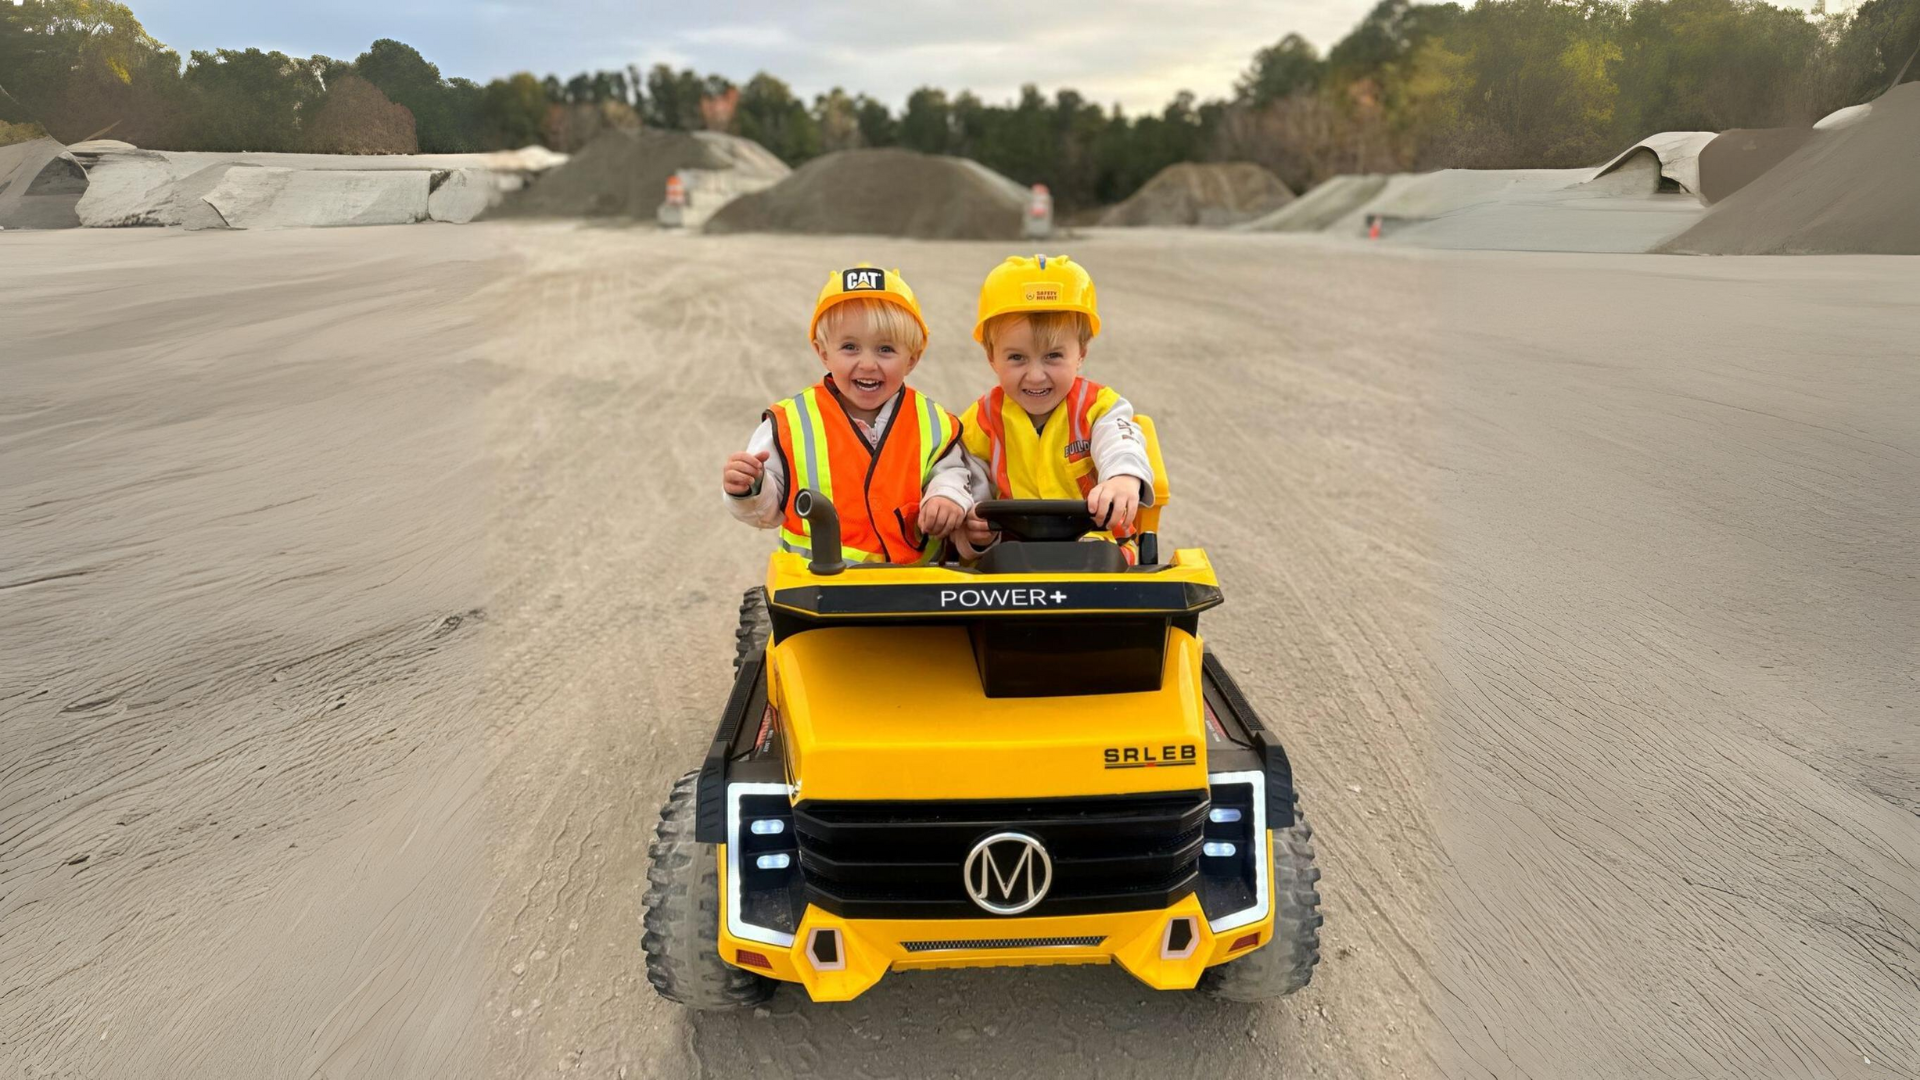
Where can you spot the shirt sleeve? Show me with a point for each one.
(958, 476)
(1120, 448)
(766, 505)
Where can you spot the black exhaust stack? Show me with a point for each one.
(823, 528)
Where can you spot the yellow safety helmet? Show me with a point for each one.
(869, 281)
(1036, 283)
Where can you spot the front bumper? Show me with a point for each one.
(1166, 948)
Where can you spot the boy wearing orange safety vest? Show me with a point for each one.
(860, 437)
(1045, 432)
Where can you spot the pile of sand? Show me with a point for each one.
(618, 174)
(40, 184)
(1855, 189)
(1211, 194)
(882, 192)
(1739, 155)
(1327, 202)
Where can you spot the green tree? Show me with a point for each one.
(838, 118)
(409, 79)
(770, 115)
(876, 121)
(1880, 46)
(465, 102)
(967, 123)
(1280, 70)
(1707, 65)
(923, 126)
(1387, 35)
(247, 100)
(75, 67)
(673, 100)
(512, 109)
(636, 83)
(1537, 86)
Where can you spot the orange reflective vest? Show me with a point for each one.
(876, 491)
(1054, 462)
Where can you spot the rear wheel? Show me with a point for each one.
(754, 629)
(1285, 963)
(682, 939)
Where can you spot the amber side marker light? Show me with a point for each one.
(751, 959)
(1245, 941)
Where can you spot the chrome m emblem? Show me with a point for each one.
(1007, 873)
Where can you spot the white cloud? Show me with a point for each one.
(1134, 52)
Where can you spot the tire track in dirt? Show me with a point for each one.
(1670, 654)
(216, 769)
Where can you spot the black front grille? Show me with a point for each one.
(1088, 941)
(880, 860)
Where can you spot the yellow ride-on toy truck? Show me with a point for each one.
(1031, 761)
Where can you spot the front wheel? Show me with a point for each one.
(682, 939)
(1285, 963)
(755, 627)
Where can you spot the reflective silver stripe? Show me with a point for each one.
(816, 465)
(1079, 410)
(937, 440)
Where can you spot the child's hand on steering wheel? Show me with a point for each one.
(1113, 503)
(940, 516)
(976, 532)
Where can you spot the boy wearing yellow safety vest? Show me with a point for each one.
(1045, 432)
(860, 437)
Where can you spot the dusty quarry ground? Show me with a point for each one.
(362, 592)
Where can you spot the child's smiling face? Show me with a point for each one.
(1032, 370)
(868, 366)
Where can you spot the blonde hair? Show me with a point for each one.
(1050, 328)
(885, 320)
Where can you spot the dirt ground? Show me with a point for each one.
(362, 592)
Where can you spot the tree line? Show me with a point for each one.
(1502, 83)
(1555, 83)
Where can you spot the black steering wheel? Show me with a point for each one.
(1037, 519)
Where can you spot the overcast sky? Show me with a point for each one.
(1135, 52)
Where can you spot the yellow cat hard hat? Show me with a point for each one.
(869, 281)
(1036, 283)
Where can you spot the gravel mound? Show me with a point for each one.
(885, 193)
(1210, 194)
(1739, 155)
(619, 174)
(1854, 190)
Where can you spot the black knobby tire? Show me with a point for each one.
(754, 629)
(1285, 963)
(683, 916)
